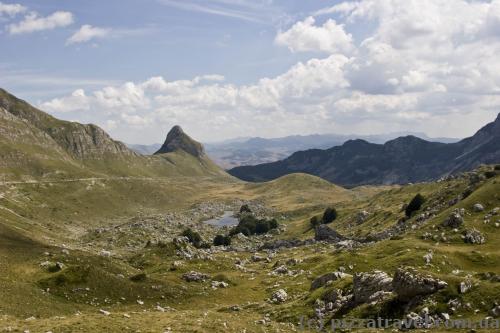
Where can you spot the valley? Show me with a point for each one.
(97, 238)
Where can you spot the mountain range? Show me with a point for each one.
(402, 160)
(255, 150)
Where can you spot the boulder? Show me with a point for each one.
(495, 312)
(219, 284)
(195, 276)
(362, 216)
(478, 208)
(455, 220)
(279, 296)
(473, 236)
(408, 283)
(324, 279)
(325, 233)
(366, 285)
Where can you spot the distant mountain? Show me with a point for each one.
(178, 140)
(252, 151)
(402, 160)
(145, 149)
(34, 144)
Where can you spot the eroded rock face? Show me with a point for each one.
(367, 286)
(324, 279)
(408, 283)
(325, 233)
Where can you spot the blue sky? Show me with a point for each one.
(229, 68)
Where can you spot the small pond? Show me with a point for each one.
(226, 220)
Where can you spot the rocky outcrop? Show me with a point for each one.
(455, 220)
(371, 286)
(80, 141)
(195, 276)
(474, 236)
(408, 284)
(279, 296)
(325, 233)
(178, 140)
(324, 279)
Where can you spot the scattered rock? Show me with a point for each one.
(428, 258)
(495, 312)
(362, 216)
(105, 253)
(219, 284)
(408, 283)
(465, 286)
(176, 265)
(104, 312)
(195, 276)
(279, 296)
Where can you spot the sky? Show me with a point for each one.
(239, 68)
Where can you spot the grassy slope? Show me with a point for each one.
(29, 213)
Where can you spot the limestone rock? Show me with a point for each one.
(324, 279)
(408, 283)
(365, 285)
(279, 296)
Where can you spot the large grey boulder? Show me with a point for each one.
(408, 284)
(478, 208)
(325, 233)
(473, 236)
(324, 279)
(370, 286)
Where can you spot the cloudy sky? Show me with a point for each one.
(238, 68)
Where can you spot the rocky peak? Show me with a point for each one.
(178, 140)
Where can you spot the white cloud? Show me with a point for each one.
(305, 36)
(87, 33)
(423, 62)
(11, 9)
(33, 22)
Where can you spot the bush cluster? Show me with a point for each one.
(221, 240)
(250, 225)
(195, 239)
(329, 215)
(414, 205)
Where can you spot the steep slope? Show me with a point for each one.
(178, 140)
(34, 144)
(402, 160)
(80, 141)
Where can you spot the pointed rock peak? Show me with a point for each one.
(178, 140)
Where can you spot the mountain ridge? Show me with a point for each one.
(398, 161)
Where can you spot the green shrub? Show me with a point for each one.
(138, 277)
(329, 215)
(250, 225)
(193, 237)
(315, 221)
(490, 174)
(245, 209)
(221, 240)
(414, 205)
